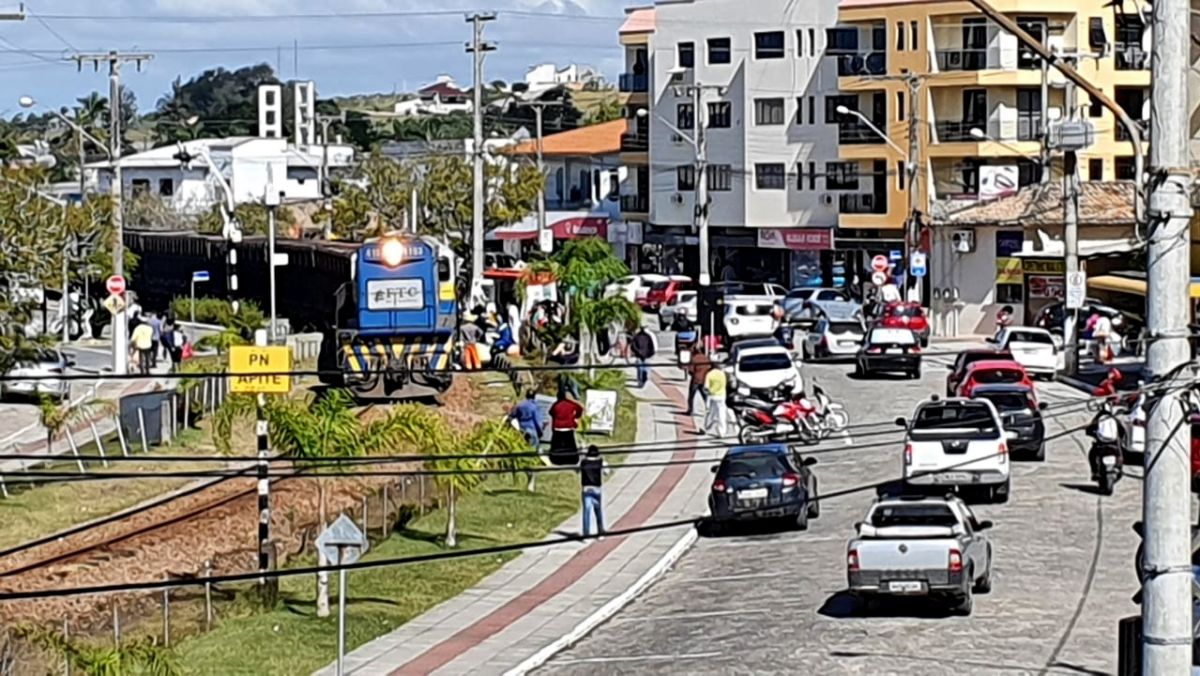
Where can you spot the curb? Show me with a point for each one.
(609, 609)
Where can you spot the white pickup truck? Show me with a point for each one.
(957, 443)
(920, 546)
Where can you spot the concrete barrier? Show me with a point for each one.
(305, 346)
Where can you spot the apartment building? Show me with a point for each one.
(774, 180)
(953, 89)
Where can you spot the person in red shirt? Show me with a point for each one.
(564, 420)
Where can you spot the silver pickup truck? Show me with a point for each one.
(920, 546)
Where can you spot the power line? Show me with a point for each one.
(50, 29)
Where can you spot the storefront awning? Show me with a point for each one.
(564, 225)
(1133, 286)
(1056, 248)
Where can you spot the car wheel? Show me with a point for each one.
(1040, 454)
(915, 375)
(1000, 493)
(925, 342)
(984, 584)
(814, 505)
(963, 604)
(858, 369)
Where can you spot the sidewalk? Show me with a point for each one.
(542, 601)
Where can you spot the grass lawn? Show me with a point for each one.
(291, 640)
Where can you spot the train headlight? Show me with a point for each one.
(392, 252)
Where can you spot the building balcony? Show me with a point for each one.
(635, 143)
(857, 133)
(954, 131)
(633, 83)
(1123, 133)
(962, 59)
(850, 64)
(1029, 127)
(861, 203)
(635, 204)
(1130, 57)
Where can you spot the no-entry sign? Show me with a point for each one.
(880, 263)
(115, 285)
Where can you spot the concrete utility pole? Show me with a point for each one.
(912, 233)
(479, 49)
(120, 336)
(545, 242)
(1070, 235)
(325, 121)
(82, 157)
(1166, 498)
(700, 122)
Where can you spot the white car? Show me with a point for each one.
(684, 303)
(840, 337)
(41, 370)
(745, 317)
(633, 287)
(1032, 348)
(765, 368)
(957, 443)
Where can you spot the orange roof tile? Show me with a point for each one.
(1100, 203)
(596, 139)
(640, 20)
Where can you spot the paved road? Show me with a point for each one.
(772, 602)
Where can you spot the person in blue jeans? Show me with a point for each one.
(591, 475)
(642, 348)
(529, 419)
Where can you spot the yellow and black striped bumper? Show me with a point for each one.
(363, 355)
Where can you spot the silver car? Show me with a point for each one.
(684, 303)
(40, 370)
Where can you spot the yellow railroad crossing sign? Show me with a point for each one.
(250, 365)
(114, 304)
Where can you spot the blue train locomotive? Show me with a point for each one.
(397, 320)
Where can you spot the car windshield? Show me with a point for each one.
(771, 361)
(1030, 337)
(905, 311)
(659, 286)
(753, 466)
(972, 357)
(913, 515)
(1008, 402)
(998, 376)
(954, 420)
(831, 295)
(892, 337)
(845, 327)
(799, 294)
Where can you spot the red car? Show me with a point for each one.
(662, 293)
(904, 315)
(958, 370)
(993, 372)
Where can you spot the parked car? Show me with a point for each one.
(40, 368)
(957, 443)
(760, 289)
(1054, 316)
(1030, 347)
(992, 372)
(889, 350)
(493, 261)
(684, 303)
(749, 317)
(830, 338)
(1021, 413)
(633, 287)
(923, 547)
(905, 315)
(764, 368)
(964, 359)
(766, 481)
(662, 292)
(796, 303)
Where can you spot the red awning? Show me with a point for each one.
(563, 228)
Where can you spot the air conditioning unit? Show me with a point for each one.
(828, 199)
(963, 241)
(676, 199)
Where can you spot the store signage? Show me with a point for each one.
(797, 239)
(1043, 266)
(1009, 271)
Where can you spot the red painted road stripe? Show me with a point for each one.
(501, 618)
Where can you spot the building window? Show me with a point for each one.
(769, 176)
(900, 36)
(841, 176)
(832, 116)
(687, 55)
(1096, 170)
(720, 177)
(900, 112)
(812, 42)
(812, 175)
(685, 116)
(1010, 293)
(141, 186)
(768, 111)
(901, 174)
(914, 39)
(1123, 169)
(768, 45)
(800, 110)
(719, 51)
(1096, 38)
(1028, 172)
(812, 110)
(800, 176)
(720, 115)
(166, 187)
(1009, 288)
(799, 42)
(685, 177)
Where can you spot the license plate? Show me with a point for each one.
(1109, 460)
(847, 343)
(952, 478)
(752, 494)
(395, 294)
(906, 587)
(894, 350)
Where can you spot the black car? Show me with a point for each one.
(766, 481)
(1021, 413)
(886, 350)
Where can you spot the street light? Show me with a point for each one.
(30, 102)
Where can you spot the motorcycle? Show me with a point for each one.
(832, 415)
(1105, 454)
(778, 418)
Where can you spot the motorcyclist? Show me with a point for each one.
(1105, 432)
(1108, 387)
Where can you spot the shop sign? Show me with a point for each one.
(797, 239)
(1008, 271)
(1041, 286)
(1044, 266)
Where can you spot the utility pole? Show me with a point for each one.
(479, 49)
(114, 59)
(1070, 193)
(325, 121)
(545, 242)
(1166, 498)
(700, 216)
(913, 230)
(1044, 121)
(82, 157)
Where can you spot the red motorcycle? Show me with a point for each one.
(791, 417)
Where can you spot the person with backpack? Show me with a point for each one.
(642, 348)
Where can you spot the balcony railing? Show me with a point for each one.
(1123, 133)
(962, 59)
(958, 130)
(635, 204)
(1131, 56)
(862, 203)
(633, 82)
(860, 63)
(857, 133)
(634, 143)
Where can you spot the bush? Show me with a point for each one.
(248, 319)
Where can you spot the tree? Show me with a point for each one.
(606, 109)
(377, 201)
(252, 217)
(226, 100)
(446, 194)
(584, 267)
(57, 417)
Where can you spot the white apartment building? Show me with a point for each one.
(442, 97)
(772, 147)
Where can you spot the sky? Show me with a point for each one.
(364, 54)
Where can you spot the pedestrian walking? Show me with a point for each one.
(470, 336)
(528, 418)
(142, 340)
(167, 342)
(591, 475)
(564, 421)
(156, 325)
(716, 383)
(642, 348)
(697, 370)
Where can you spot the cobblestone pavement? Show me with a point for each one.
(772, 601)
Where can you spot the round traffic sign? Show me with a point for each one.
(880, 263)
(115, 285)
(878, 278)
